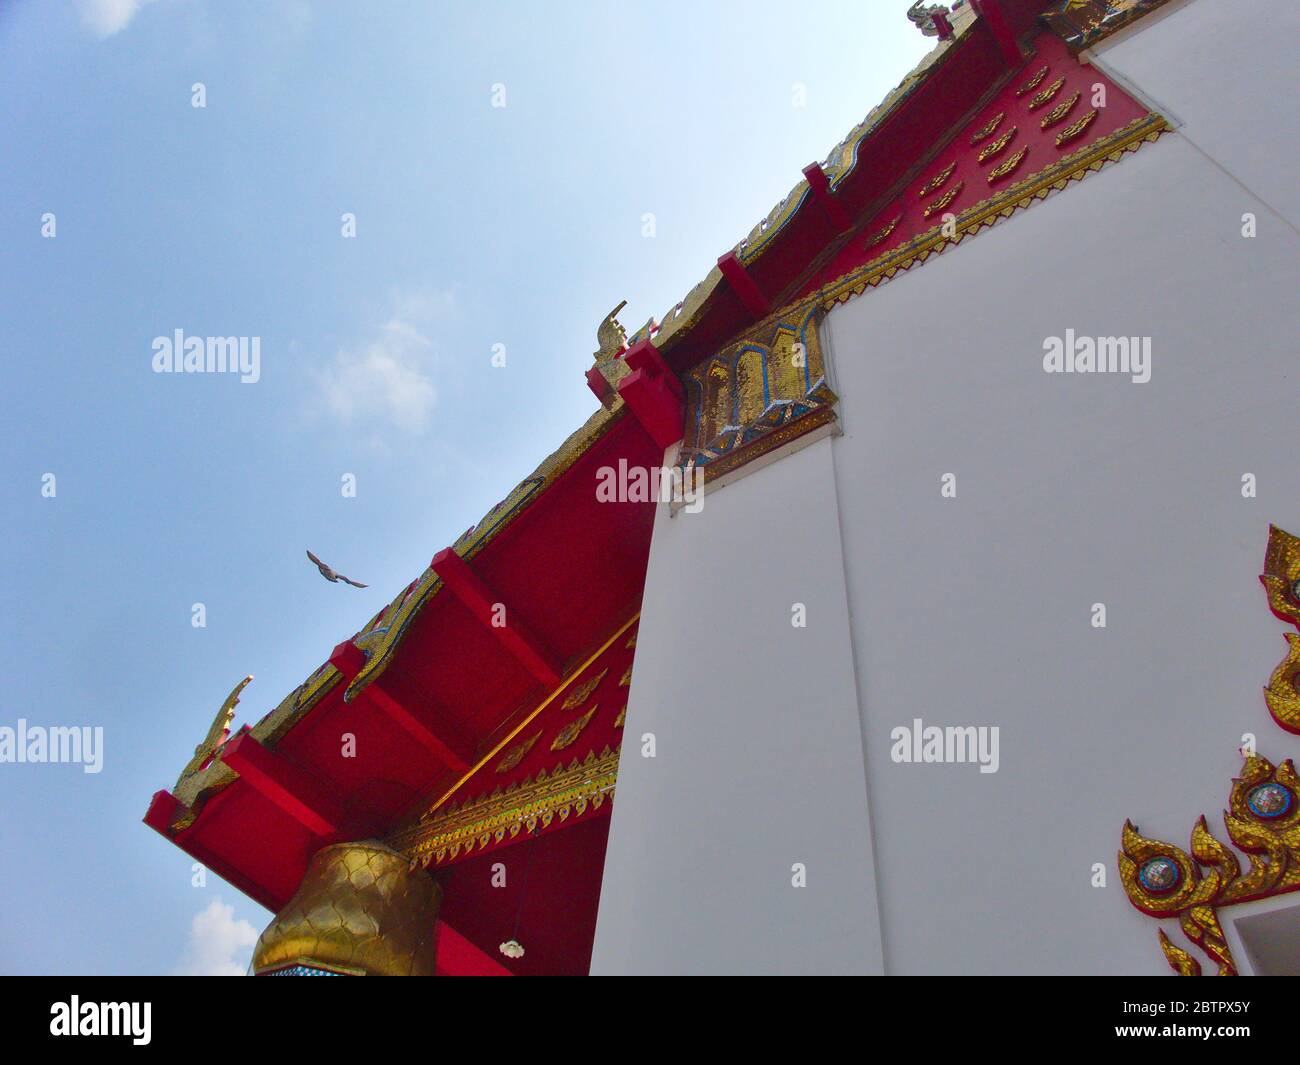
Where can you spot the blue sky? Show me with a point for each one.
(475, 226)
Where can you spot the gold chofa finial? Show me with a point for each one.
(610, 335)
(218, 729)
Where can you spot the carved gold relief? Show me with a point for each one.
(622, 717)
(568, 790)
(1075, 131)
(1045, 97)
(883, 234)
(626, 678)
(570, 732)
(937, 182)
(1033, 82)
(1281, 580)
(985, 132)
(1262, 820)
(998, 146)
(1009, 166)
(943, 201)
(1057, 113)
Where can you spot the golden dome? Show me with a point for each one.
(358, 910)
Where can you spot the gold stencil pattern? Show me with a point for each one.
(1033, 82)
(985, 132)
(517, 753)
(998, 146)
(569, 734)
(944, 200)
(580, 694)
(1075, 131)
(938, 181)
(1057, 113)
(1045, 97)
(1003, 169)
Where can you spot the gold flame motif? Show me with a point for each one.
(987, 131)
(937, 182)
(1003, 169)
(998, 146)
(1074, 132)
(1033, 82)
(1057, 113)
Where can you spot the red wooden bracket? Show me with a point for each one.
(597, 383)
(826, 199)
(942, 25)
(287, 786)
(744, 286)
(517, 638)
(992, 15)
(160, 815)
(440, 741)
(654, 394)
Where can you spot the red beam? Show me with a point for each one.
(654, 394)
(465, 585)
(821, 190)
(162, 812)
(992, 15)
(287, 786)
(744, 286)
(446, 747)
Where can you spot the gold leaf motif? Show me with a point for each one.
(1182, 962)
(622, 717)
(944, 200)
(631, 641)
(986, 132)
(1057, 113)
(998, 146)
(1003, 169)
(626, 679)
(1281, 576)
(884, 233)
(580, 694)
(1047, 94)
(517, 753)
(937, 182)
(1074, 132)
(565, 737)
(1033, 82)
(1283, 692)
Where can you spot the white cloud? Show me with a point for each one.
(385, 379)
(219, 945)
(106, 17)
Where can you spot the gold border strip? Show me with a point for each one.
(528, 720)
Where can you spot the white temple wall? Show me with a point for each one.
(977, 610)
(1071, 491)
(758, 747)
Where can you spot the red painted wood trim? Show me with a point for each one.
(287, 786)
(821, 190)
(463, 583)
(744, 286)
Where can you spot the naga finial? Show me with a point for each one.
(611, 336)
(217, 731)
(923, 15)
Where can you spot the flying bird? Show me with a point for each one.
(333, 577)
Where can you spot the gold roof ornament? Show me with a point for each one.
(217, 731)
(360, 911)
(611, 339)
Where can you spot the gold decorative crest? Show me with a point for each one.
(1263, 820)
(937, 182)
(217, 731)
